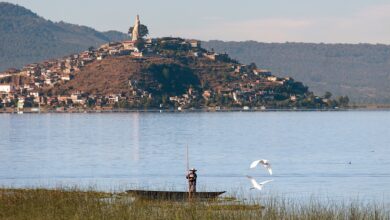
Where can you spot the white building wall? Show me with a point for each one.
(6, 88)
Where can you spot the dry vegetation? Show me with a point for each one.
(109, 76)
(76, 204)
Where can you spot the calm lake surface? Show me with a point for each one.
(342, 155)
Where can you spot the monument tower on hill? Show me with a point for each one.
(135, 33)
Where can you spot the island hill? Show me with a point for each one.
(152, 73)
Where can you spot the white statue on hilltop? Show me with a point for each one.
(135, 33)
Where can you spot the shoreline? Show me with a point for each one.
(105, 111)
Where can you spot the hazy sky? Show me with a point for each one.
(329, 21)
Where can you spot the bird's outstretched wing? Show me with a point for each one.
(255, 163)
(269, 169)
(265, 164)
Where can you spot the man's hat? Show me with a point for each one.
(193, 169)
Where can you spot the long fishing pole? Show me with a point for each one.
(188, 168)
(188, 161)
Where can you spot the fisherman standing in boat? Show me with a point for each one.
(191, 176)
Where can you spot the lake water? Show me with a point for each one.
(342, 155)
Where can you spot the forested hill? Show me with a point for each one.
(28, 38)
(360, 71)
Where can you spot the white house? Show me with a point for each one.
(6, 88)
(272, 78)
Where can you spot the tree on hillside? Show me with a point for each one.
(174, 79)
(252, 66)
(143, 30)
(343, 101)
(328, 95)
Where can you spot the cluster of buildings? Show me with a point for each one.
(253, 87)
(19, 88)
(26, 87)
(29, 82)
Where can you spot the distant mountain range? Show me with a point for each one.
(27, 38)
(360, 71)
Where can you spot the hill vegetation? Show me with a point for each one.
(174, 78)
(362, 71)
(28, 38)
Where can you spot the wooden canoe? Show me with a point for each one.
(172, 195)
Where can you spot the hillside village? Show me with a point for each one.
(211, 81)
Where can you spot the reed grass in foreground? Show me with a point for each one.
(76, 204)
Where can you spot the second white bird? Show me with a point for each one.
(256, 185)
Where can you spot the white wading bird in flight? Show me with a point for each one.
(265, 164)
(256, 185)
